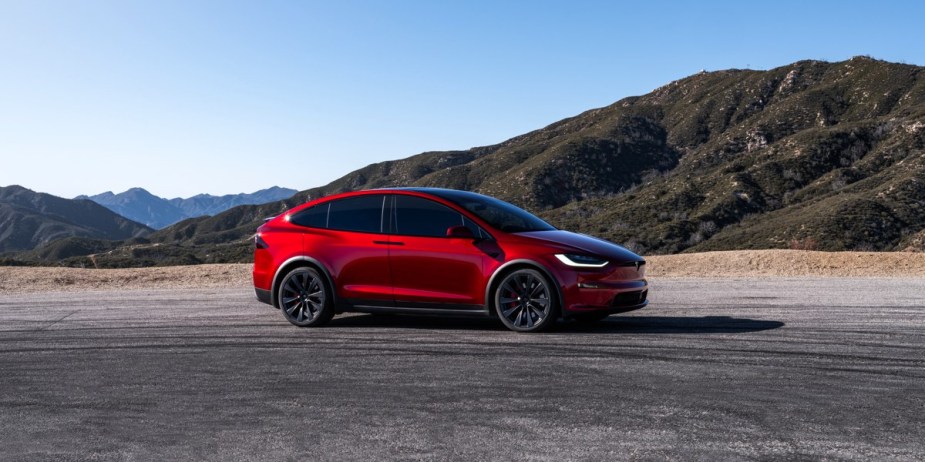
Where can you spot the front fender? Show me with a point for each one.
(522, 262)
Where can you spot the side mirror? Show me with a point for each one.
(460, 232)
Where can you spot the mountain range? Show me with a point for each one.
(29, 219)
(812, 155)
(139, 205)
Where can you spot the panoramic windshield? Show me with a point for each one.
(497, 213)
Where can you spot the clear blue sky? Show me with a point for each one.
(187, 97)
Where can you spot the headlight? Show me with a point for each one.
(581, 261)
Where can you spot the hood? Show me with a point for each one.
(584, 244)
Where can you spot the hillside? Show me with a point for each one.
(29, 219)
(813, 155)
(140, 205)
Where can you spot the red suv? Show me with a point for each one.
(438, 251)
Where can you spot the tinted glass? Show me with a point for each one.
(415, 216)
(476, 230)
(314, 217)
(497, 213)
(362, 214)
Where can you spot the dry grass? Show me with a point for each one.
(745, 263)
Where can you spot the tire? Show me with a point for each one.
(304, 298)
(525, 301)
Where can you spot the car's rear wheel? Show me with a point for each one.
(524, 301)
(304, 299)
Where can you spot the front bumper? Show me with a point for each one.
(606, 297)
(623, 309)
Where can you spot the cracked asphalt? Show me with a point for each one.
(713, 369)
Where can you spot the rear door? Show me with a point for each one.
(429, 269)
(357, 249)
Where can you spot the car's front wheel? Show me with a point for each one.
(525, 301)
(304, 299)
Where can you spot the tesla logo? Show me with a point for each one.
(637, 266)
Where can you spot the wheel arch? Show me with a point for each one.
(297, 262)
(514, 265)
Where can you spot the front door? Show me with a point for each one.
(428, 268)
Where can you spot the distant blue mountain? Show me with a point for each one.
(207, 204)
(139, 205)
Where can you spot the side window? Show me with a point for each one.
(313, 217)
(415, 216)
(361, 214)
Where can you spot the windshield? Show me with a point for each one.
(497, 213)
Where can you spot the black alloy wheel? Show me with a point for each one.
(304, 299)
(525, 301)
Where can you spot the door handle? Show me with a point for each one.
(388, 243)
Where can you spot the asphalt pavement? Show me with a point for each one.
(711, 370)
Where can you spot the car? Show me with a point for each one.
(432, 251)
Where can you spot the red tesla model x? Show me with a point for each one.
(438, 251)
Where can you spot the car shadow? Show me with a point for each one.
(410, 321)
(614, 324)
(673, 325)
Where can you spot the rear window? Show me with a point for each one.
(360, 214)
(312, 217)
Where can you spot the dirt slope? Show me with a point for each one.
(26, 279)
(788, 263)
